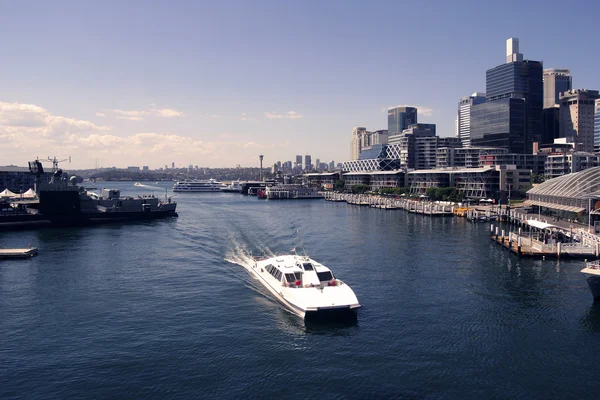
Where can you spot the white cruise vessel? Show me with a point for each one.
(291, 192)
(305, 287)
(210, 185)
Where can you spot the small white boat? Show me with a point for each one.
(236, 186)
(592, 273)
(305, 287)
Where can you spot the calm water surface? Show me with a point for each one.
(164, 310)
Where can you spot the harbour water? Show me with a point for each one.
(163, 309)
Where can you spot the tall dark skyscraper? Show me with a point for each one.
(399, 118)
(511, 117)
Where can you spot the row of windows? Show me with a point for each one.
(274, 271)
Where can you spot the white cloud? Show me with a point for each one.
(247, 118)
(138, 115)
(15, 117)
(213, 115)
(287, 115)
(131, 118)
(168, 113)
(131, 113)
(425, 111)
(27, 131)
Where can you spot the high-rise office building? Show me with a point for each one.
(356, 141)
(463, 120)
(577, 108)
(556, 81)
(551, 118)
(299, 161)
(511, 116)
(307, 163)
(597, 127)
(399, 118)
(364, 140)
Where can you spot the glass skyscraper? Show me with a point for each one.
(516, 123)
(399, 118)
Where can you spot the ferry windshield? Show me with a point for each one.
(307, 266)
(325, 276)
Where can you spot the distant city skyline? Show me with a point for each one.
(218, 84)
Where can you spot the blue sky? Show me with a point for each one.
(147, 83)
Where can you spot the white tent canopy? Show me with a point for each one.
(30, 194)
(7, 193)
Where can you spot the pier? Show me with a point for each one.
(544, 241)
(393, 203)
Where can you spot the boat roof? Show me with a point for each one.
(289, 262)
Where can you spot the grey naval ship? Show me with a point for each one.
(63, 203)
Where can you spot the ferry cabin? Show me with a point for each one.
(302, 274)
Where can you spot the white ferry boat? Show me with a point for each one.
(305, 287)
(210, 185)
(291, 192)
(236, 186)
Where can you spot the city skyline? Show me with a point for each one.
(172, 84)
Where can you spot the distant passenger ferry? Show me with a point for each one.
(210, 185)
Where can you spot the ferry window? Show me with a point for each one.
(298, 276)
(290, 277)
(307, 266)
(325, 276)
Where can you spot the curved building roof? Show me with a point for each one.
(580, 185)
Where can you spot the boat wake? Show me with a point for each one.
(141, 185)
(240, 254)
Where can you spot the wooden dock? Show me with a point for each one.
(529, 247)
(18, 253)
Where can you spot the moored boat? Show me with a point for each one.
(592, 273)
(236, 186)
(305, 287)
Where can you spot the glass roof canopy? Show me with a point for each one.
(572, 190)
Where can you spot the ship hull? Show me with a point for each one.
(37, 220)
(594, 284)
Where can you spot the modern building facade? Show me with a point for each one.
(16, 179)
(577, 108)
(463, 120)
(597, 127)
(574, 193)
(511, 116)
(568, 163)
(363, 140)
(474, 183)
(299, 161)
(556, 81)
(399, 118)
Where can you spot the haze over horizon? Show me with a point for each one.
(150, 83)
